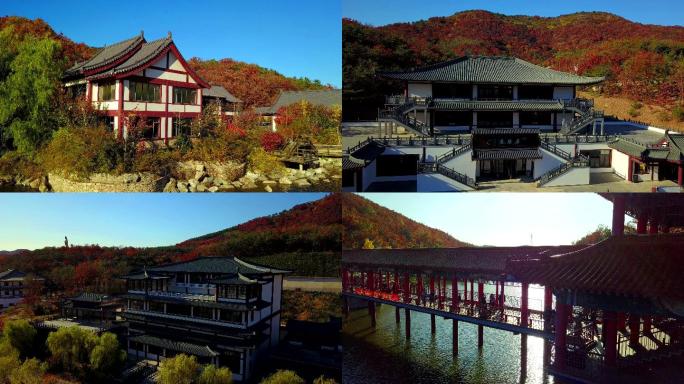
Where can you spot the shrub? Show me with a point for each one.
(82, 151)
(678, 113)
(664, 115)
(183, 144)
(212, 375)
(263, 162)
(283, 377)
(271, 141)
(319, 123)
(635, 109)
(21, 336)
(13, 163)
(155, 160)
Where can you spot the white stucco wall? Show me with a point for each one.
(419, 90)
(430, 152)
(620, 163)
(548, 162)
(464, 164)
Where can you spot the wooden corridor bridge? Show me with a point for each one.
(610, 306)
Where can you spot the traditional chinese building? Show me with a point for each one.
(223, 310)
(483, 119)
(149, 80)
(14, 286)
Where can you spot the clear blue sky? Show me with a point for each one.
(504, 219)
(381, 12)
(36, 220)
(295, 37)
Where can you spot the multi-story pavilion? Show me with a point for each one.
(484, 119)
(13, 286)
(149, 80)
(223, 310)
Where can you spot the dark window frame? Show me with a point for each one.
(144, 92)
(106, 91)
(183, 95)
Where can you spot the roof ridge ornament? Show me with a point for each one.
(169, 35)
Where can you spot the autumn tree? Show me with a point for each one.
(70, 348)
(107, 356)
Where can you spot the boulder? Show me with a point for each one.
(170, 186)
(268, 188)
(284, 180)
(269, 182)
(201, 188)
(213, 189)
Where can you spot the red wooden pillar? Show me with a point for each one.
(642, 221)
(503, 295)
(432, 289)
(634, 328)
(371, 286)
(610, 334)
(621, 321)
(420, 288)
(653, 226)
(454, 337)
(548, 298)
(559, 337)
(480, 291)
(680, 174)
(496, 295)
(472, 291)
(618, 215)
(648, 322)
(524, 310)
(454, 294)
(396, 282)
(465, 291)
(388, 282)
(408, 323)
(406, 288)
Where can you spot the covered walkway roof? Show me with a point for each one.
(646, 267)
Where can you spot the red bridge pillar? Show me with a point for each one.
(524, 310)
(454, 336)
(619, 215)
(465, 291)
(559, 338)
(472, 291)
(407, 288)
(480, 292)
(680, 174)
(503, 295)
(454, 293)
(610, 337)
(432, 289)
(480, 336)
(408, 323)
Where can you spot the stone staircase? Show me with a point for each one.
(586, 114)
(571, 162)
(447, 172)
(398, 115)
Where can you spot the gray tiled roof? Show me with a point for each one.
(220, 92)
(508, 154)
(491, 69)
(12, 274)
(369, 151)
(147, 52)
(349, 162)
(676, 143)
(512, 105)
(326, 97)
(484, 259)
(177, 346)
(238, 279)
(107, 55)
(505, 131)
(628, 147)
(92, 297)
(217, 265)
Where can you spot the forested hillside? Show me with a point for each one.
(305, 239)
(642, 62)
(367, 223)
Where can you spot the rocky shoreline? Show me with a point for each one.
(191, 176)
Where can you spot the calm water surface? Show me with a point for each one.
(383, 355)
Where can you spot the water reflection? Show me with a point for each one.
(383, 355)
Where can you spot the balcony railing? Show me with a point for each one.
(195, 319)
